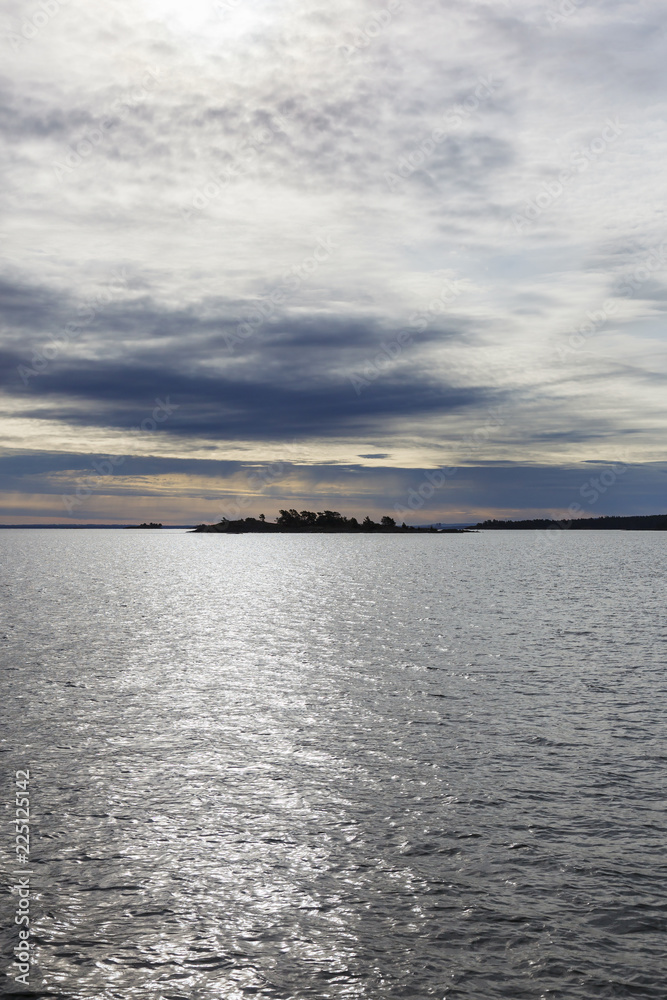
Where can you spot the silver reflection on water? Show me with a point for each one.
(348, 767)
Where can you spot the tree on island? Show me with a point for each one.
(309, 519)
(329, 520)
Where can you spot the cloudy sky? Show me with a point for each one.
(375, 256)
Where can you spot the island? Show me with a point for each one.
(308, 521)
(152, 524)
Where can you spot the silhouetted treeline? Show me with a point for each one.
(639, 522)
(331, 520)
(308, 521)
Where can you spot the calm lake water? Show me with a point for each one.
(337, 766)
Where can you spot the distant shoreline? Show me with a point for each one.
(632, 522)
(82, 527)
(290, 522)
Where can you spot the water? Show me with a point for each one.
(338, 767)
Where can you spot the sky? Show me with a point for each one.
(372, 257)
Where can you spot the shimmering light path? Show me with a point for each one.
(339, 767)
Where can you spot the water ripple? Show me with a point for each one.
(326, 767)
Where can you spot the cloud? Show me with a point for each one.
(183, 491)
(210, 406)
(30, 308)
(174, 171)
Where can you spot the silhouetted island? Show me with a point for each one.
(308, 521)
(636, 522)
(152, 524)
